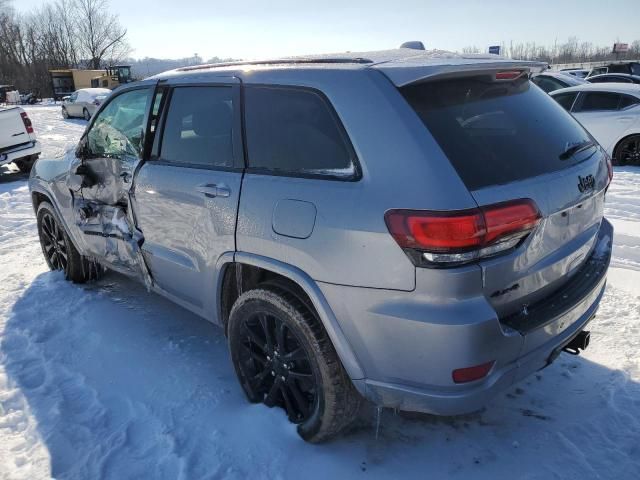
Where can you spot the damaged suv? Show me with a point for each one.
(419, 229)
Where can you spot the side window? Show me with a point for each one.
(547, 84)
(295, 131)
(598, 101)
(566, 100)
(119, 128)
(628, 101)
(199, 127)
(73, 97)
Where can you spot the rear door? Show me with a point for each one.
(507, 141)
(187, 192)
(601, 114)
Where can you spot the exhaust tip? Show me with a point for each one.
(578, 343)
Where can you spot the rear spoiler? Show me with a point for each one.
(406, 73)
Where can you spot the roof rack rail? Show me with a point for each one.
(283, 61)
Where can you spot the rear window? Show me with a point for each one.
(496, 132)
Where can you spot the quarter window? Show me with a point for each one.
(295, 131)
(566, 100)
(199, 127)
(119, 128)
(628, 101)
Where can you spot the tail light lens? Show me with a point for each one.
(27, 122)
(454, 237)
(470, 374)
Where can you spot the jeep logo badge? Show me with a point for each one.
(586, 183)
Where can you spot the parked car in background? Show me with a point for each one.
(84, 102)
(422, 230)
(3, 92)
(631, 68)
(611, 113)
(576, 72)
(18, 142)
(614, 78)
(550, 81)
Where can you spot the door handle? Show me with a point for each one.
(213, 190)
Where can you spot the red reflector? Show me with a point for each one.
(27, 122)
(461, 230)
(508, 75)
(469, 374)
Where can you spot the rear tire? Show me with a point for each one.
(59, 251)
(86, 114)
(283, 357)
(627, 152)
(25, 164)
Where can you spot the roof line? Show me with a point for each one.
(283, 61)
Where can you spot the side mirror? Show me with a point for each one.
(82, 150)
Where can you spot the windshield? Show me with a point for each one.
(497, 132)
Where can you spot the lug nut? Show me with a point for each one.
(273, 374)
(283, 379)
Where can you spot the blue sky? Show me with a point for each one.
(250, 29)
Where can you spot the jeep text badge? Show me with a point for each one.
(586, 183)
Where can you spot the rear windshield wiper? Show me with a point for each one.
(575, 148)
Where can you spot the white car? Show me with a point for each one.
(611, 113)
(551, 81)
(18, 142)
(576, 72)
(84, 102)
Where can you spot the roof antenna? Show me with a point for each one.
(413, 44)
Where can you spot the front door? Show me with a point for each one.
(186, 194)
(101, 179)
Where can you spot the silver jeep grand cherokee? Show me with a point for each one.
(420, 229)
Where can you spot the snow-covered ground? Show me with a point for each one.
(109, 381)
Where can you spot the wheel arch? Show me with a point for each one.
(626, 135)
(247, 271)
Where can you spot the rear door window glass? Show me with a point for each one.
(598, 101)
(295, 131)
(496, 132)
(199, 127)
(628, 101)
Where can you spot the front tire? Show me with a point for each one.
(283, 357)
(86, 114)
(627, 152)
(59, 251)
(65, 114)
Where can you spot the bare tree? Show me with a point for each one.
(100, 35)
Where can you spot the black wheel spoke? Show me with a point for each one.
(264, 322)
(256, 339)
(270, 399)
(301, 402)
(297, 354)
(301, 376)
(292, 413)
(281, 337)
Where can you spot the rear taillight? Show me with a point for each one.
(27, 122)
(454, 237)
(508, 74)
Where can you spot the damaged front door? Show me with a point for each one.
(101, 178)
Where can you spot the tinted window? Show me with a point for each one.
(496, 132)
(566, 99)
(295, 131)
(628, 100)
(596, 101)
(199, 127)
(118, 129)
(548, 84)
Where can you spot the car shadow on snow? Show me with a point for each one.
(119, 383)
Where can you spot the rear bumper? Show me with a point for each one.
(9, 155)
(413, 372)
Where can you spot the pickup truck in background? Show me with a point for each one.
(18, 142)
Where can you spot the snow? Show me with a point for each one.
(109, 381)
